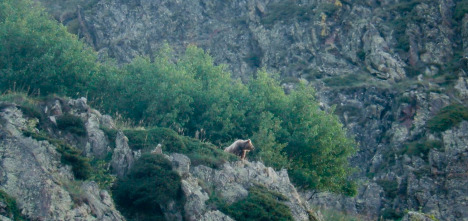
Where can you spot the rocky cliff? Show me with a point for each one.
(32, 171)
(44, 168)
(389, 67)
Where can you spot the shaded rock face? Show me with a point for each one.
(31, 172)
(232, 182)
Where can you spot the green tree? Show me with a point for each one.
(38, 55)
(318, 145)
(267, 148)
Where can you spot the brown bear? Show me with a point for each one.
(240, 148)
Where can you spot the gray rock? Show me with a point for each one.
(79, 105)
(34, 175)
(416, 216)
(234, 179)
(100, 203)
(195, 207)
(181, 164)
(157, 149)
(215, 216)
(122, 158)
(97, 144)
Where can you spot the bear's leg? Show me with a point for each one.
(244, 152)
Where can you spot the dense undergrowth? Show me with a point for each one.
(260, 204)
(200, 153)
(150, 185)
(187, 94)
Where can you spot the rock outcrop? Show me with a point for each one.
(45, 189)
(232, 182)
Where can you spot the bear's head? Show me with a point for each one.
(248, 145)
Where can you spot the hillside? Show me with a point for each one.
(59, 158)
(393, 71)
(390, 67)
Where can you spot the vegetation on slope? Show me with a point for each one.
(447, 117)
(260, 204)
(188, 94)
(150, 185)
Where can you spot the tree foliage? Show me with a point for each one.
(38, 55)
(187, 93)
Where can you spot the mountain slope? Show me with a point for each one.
(388, 66)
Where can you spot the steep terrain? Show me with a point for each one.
(390, 67)
(34, 173)
(46, 155)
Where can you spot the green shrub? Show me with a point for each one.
(27, 106)
(150, 138)
(72, 124)
(260, 204)
(447, 118)
(101, 173)
(390, 187)
(207, 154)
(460, 10)
(391, 214)
(11, 210)
(422, 148)
(150, 184)
(200, 153)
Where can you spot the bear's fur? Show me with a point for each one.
(240, 148)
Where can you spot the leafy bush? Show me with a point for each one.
(11, 210)
(200, 153)
(422, 148)
(71, 123)
(150, 138)
(150, 184)
(101, 172)
(447, 118)
(260, 204)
